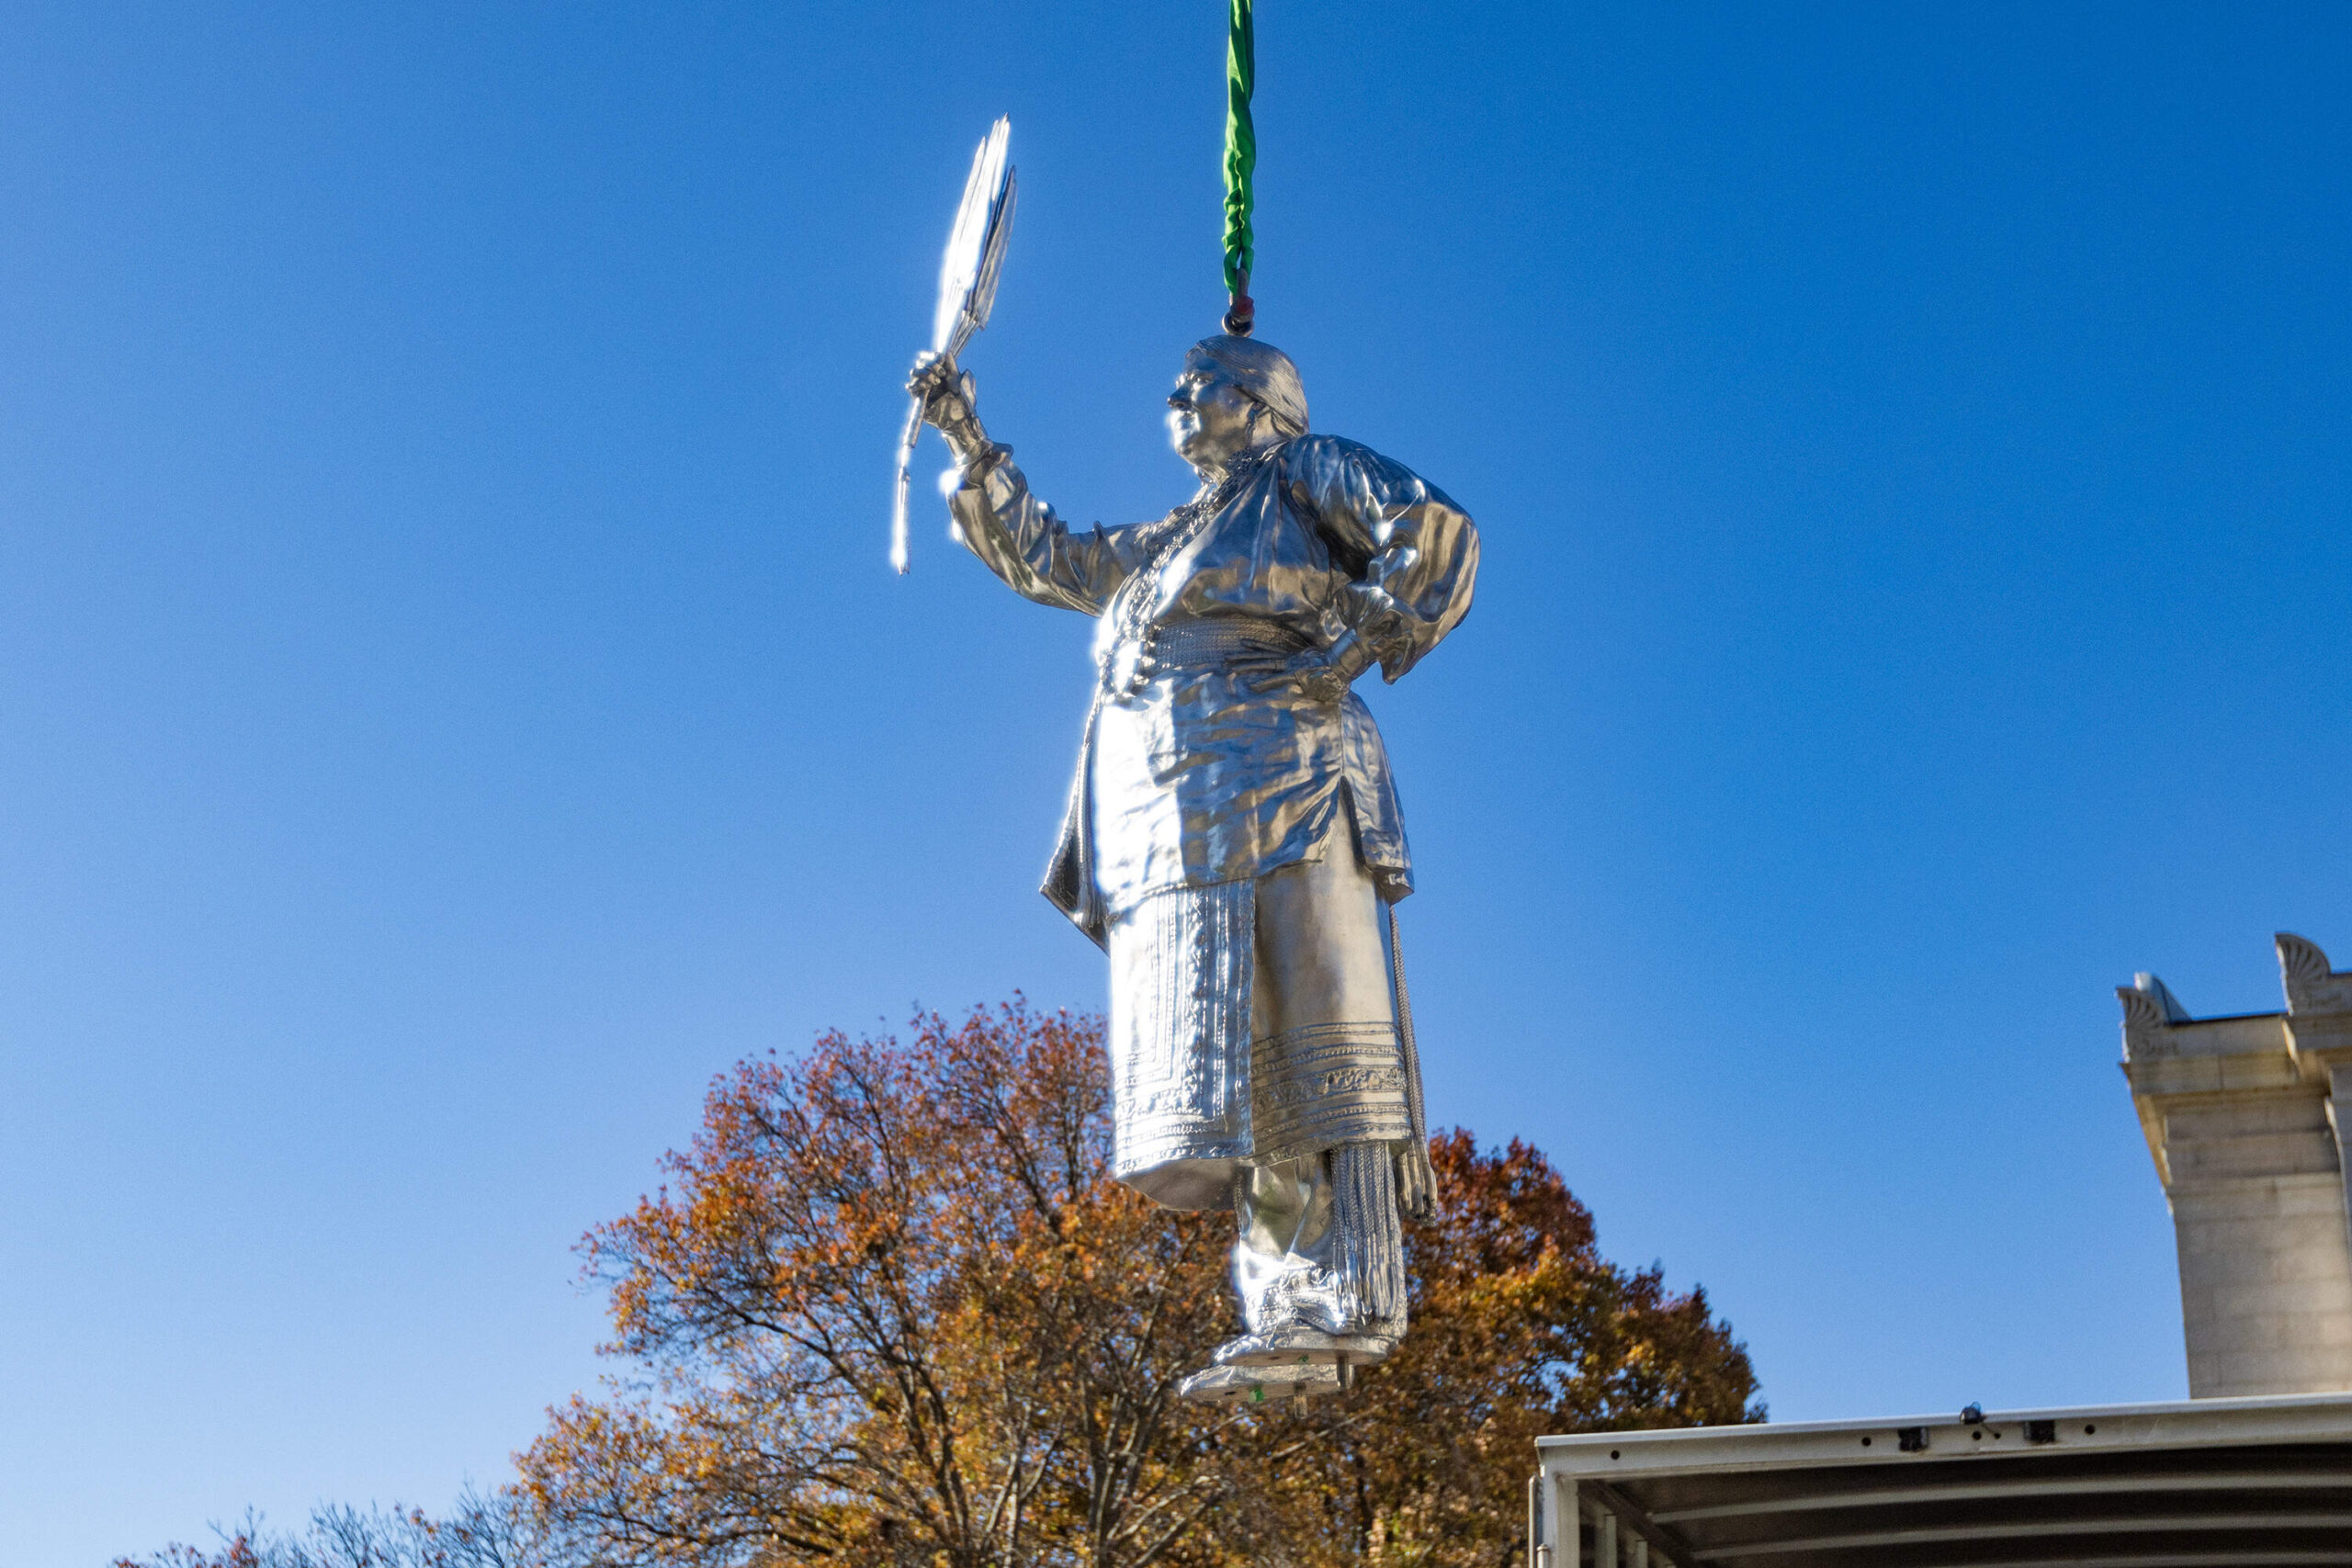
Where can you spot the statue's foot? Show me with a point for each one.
(1302, 1348)
(1259, 1385)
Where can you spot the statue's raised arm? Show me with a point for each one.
(1011, 531)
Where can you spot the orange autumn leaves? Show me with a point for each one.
(890, 1310)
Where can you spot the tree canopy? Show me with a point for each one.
(893, 1310)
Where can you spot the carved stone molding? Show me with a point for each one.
(2299, 958)
(2313, 985)
(2145, 1024)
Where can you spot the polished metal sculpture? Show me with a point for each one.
(1233, 837)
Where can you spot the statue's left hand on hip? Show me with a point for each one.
(1309, 674)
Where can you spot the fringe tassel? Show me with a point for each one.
(1368, 1263)
(1416, 1177)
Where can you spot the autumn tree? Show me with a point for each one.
(892, 1310)
(895, 1311)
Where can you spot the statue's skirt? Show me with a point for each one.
(1252, 1021)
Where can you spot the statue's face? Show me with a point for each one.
(1208, 415)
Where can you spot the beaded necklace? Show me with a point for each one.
(1133, 605)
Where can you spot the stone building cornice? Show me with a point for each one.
(2246, 1118)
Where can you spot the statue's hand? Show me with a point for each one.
(1309, 674)
(949, 397)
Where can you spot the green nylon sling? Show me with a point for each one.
(1240, 162)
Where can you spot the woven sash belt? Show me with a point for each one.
(1203, 645)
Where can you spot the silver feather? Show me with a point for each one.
(968, 279)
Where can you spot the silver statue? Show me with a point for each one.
(1233, 835)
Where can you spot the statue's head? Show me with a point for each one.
(1234, 394)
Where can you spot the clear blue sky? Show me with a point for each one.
(454, 702)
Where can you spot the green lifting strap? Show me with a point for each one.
(1240, 163)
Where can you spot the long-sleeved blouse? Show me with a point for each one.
(1202, 761)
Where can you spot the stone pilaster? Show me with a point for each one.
(2319, 1032)
(2243, 1123)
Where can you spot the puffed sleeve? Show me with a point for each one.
(1018, 537)
(1410, 553)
